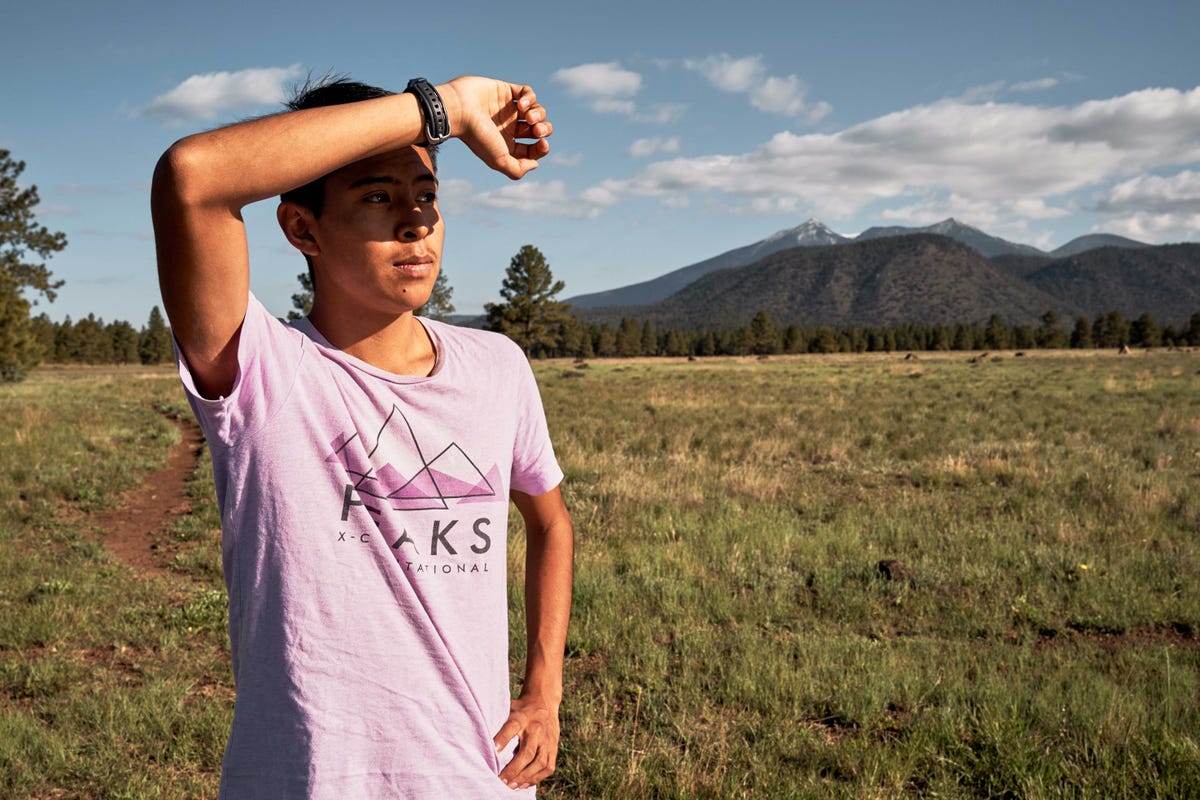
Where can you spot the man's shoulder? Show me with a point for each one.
(476, 338)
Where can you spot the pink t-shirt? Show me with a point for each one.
(364, 519)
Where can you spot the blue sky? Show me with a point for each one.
(682, 130)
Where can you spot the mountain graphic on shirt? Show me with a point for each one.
(395, 471)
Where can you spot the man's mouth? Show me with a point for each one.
(414, 266)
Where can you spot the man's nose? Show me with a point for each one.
(415, 223)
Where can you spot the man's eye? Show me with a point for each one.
(377, 197)
(428, 197)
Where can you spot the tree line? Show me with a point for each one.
(543, 326)
(633, 337)
(92, 341)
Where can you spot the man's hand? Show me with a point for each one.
(535, 724)
(491, 116)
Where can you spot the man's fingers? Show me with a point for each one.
(532, 763)
(506, 733)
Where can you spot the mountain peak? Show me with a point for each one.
(811, 233)
(949, 224)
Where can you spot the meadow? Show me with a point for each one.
(852, 576)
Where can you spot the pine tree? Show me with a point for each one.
(629, 338)
(675, 344)
(606, 341)
(825, 341)
(124, 340)
(154, 343)
(530, 315)
(95, 345)
(764, 338)
(302, 301)
(439, 306)
(1145, 332)
(19, 348)
(996, 334)
(1111, 330)
(20, 238)
(649, 339)
(1193, 330)
(573, 339)
(1049, 334)
(1081, 335)
(794, 340)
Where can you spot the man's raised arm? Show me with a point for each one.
(202, 183)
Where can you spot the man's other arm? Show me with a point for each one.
(548, 573)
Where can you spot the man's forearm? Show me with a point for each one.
(549, 569)
(231, 167)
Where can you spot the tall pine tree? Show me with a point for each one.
(530, 315)
(154, 343)
(24, 245)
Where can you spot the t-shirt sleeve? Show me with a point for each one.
(535, 469)
(268, 354)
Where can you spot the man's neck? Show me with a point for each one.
(399, 345)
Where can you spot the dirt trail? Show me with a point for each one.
(135, 528)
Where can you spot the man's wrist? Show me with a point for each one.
(453, 105)
(433, 111)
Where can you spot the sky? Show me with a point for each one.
(681, 130)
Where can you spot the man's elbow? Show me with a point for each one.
(183, 176)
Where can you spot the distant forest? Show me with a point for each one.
(92, 341)
(761, 336)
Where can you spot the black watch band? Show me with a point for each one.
(437, 122)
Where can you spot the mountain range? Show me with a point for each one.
(814, 233)
(943, 273)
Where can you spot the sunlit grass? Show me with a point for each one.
(833, 576)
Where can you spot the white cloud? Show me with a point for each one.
(768, 93)
(992, 159)
(56, 211)
(547, 199)
(1034, 86)
(981, 93)
(819, 112)
(206, 96)
(1150, 227)
(979, 212)
(455, 194)
(649, 146)
(603, 195)
(779, 96)
(1154, 208)
(607, 85)
(565, 159)
(90, 191)
(662, 113)
(611, 105)
(730, 74)
(1180, 192)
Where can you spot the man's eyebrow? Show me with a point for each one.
(371, 179)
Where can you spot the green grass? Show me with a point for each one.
(112, 685)
(733, 634)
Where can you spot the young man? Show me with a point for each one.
(364, 458)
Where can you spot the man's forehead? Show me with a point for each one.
(406, 163)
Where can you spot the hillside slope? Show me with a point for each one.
(922, 278)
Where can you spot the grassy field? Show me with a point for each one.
(842, 576)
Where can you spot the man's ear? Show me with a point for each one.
(298, 223)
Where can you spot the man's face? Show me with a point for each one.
(379, 235)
